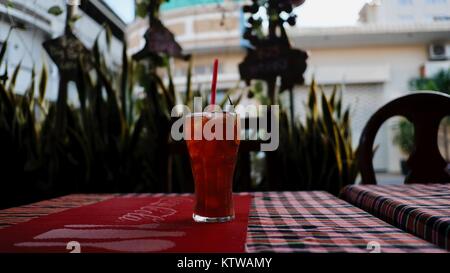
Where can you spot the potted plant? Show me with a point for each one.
(404, 139)
(438, 82)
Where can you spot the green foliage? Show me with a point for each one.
(316, 153)
(115, 141)
(404, 130)
(55, 10)
(404, 136)
(19, 138)
(439, 82)
(257, 91)
(144, 7)
(111, 141)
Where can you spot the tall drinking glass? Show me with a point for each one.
(213, 141)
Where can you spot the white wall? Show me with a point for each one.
(373, 76)
(409, 11)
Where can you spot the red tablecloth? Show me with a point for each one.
(130, 224)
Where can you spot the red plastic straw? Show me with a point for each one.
(214, 82)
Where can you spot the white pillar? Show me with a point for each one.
(74, 2)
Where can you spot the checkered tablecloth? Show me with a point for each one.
(282, 222)
(423, 210)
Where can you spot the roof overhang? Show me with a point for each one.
(369, 35)
(335, 37)
(25, 14)
(102, 13)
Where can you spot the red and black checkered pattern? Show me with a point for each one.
(281, 222)
(421, 209)
(320, 222)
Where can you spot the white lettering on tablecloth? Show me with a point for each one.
(128, 236)
(155, 212)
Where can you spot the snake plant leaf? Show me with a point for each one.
(227, 98)
(7, 104)
(167, 93)
(82, 89)
(4, 46)
(188, 83)
(61, 111)
(76, 135)
(108, 35)
(31, 89)
(96, 50)
(238, 99)
(333, 98)
(116, 119)
(137, 131)
(12, 82)
(318, 149)
(342, 151)
(43, 83)
(130, 96)
(339, 105)
(327, 117)
(3, 50)
(312, 103)
(4, 78)
(346, 124)
(124, 81)
(171, 87)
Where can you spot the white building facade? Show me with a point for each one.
(405, 11)
(375, 64)
(373, 61)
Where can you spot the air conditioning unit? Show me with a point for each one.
(439, 51)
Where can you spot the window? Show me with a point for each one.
(202, 69)
(406, 17)
(440, 18)
(180, 72)
(206, 69)
(436, 2)
(429, 18)
(405, 2)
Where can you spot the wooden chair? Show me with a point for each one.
(425, 110)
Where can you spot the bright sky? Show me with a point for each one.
(124, 8)
(329, 12)
(312, 13)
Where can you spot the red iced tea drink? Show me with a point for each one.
(213, 141)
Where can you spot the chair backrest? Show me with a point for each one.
(425, 110)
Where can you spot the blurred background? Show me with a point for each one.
(373, 51)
